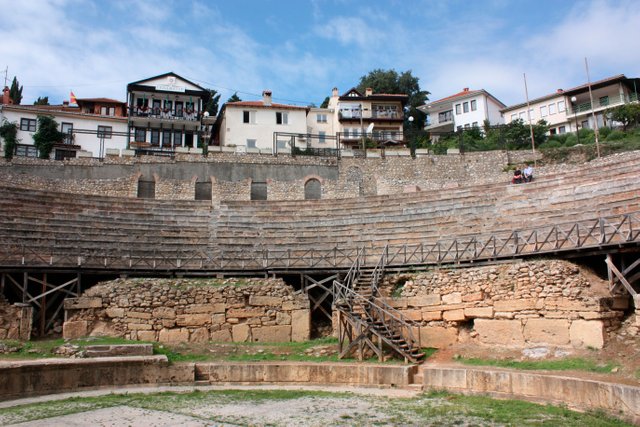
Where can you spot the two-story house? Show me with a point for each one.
(91, 127)
(165, 112)
(464, 110)
(571, 109)
(260, 125)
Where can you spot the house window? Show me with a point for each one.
(64, 154)
(155, 137)
(251, 143)
(531, 115)
(458, 110)
(522, 115)
(543, 111)
(108, 111)
(465, 107)
(282, 118)
(28, 125)
(177, 139)
(466, 126)
(514, 117)
(561, 107)
(321, 118)
(67, 129)
(459, 128)
(248, 116)
(322, 137)
(105, 132)
(562, 129)
(604, 100)
(552, 109)
(23, 150)
(166, 138)
(141, 135)
(474, 124)
(474, 105)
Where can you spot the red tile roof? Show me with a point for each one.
(260, 104)
(459, 94)
(103, 100)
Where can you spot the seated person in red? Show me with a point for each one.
(517, 177)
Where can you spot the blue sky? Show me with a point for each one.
(302, 49)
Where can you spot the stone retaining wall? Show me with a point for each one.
(190, 310)
(15, 320)
(41, 377)
(577, 393)
(519, 304)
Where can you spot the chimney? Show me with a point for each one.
(466, 89)
(6, 98)
(368, 92)
(334, 92)
(560, 91)
(266, 97)
(65, 103)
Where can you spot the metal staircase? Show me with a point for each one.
(366, 324)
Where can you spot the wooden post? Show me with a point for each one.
(43, 305)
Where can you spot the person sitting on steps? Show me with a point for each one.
(517, 177)
(528, 173)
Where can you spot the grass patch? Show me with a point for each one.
(569, 364)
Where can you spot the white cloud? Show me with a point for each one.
(350, 31)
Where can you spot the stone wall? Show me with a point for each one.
(15, 320)
(519, 304)
(190, 310)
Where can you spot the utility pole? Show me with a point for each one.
(533, 142)
(593, 113)
(6, 76)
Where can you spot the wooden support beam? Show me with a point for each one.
(620, 277)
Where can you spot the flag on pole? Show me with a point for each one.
(72, 99)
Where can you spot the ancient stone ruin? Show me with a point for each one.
(190, 310)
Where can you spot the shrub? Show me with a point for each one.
(615, 135)
(604, 131)
(551, 144)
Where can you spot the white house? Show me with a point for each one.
(262, 125)
(571, 109)
(92, 127)
(165, 112)
(464, 110)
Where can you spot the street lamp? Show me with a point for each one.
(413, 141)
(575, 116)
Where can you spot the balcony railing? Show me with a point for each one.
(366, 114)
(603, 102)
(382, 137)
(164, 113)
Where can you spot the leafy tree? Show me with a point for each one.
(234, 98)
(212, 105)
(42, 101)
(389, 81)
(627, 114)
(47, 135)
(9, 132)
(325, 103)
(15, 92)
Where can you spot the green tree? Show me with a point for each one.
(9, 132)
(234, 98)
(47, 135)
(325, 103)
(42, 100)
(212, 105)
(389, 81)
(627, 114)
(15, 92)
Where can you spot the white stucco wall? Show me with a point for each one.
(87, 142)
(235, 132)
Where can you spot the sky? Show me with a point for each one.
(301, 49)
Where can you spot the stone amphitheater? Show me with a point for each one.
(394, 255)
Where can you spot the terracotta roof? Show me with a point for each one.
(58, 108)
(459, 94)
(260, 104)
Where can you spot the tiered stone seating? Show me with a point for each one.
(70, 225)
